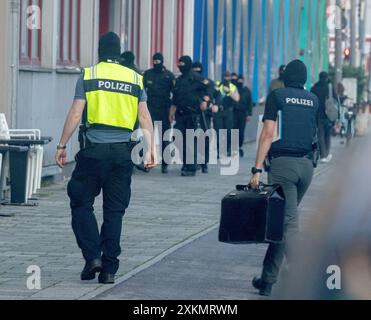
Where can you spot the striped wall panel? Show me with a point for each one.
(254, 37)
(157, 26)
(130, 25)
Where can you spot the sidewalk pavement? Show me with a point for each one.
(167, 213)
(207, 269)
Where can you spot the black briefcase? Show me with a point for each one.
(253, 215)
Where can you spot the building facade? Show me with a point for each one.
(47, 42)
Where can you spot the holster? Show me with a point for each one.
(196, 118)
(83, 140)
(316, 154)
(267, 164)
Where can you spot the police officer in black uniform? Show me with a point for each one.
(207, 115)
(189, 100)
(292, 160)
(159, 85)
(242, 111)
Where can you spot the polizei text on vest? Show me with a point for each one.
(114, 85)
(300, 101)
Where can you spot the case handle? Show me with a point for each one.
(245, 187)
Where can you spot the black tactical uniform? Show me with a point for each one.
(159, 85)
(189, 90)
(207, 115)
(242, 110)
(291, 160)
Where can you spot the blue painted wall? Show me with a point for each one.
(276, 49)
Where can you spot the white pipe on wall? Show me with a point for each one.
(15, 8)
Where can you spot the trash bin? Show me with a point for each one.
(19, 150)
(16, 154)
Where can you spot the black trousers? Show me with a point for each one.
(184, 122)
(295, 176)
(240, 124)
(91, 176)
(324, 137)
(161, 115)
(224, 120)
(205, 122)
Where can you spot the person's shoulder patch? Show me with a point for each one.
(205, 82)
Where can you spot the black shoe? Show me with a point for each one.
(165, 170)
(142, 168)
(90, 269)
(205, 169)
(229, 154)
(106, 278)
(241, 153)
(265, 289)
(188, 173)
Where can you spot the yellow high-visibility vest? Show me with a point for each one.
(232, 88)
(112, 94)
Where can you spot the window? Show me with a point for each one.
(30, 32)
(69, 32)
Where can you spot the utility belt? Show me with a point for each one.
(313, 156)
(197, 117)
(187, 111)
(224, 108)
(104, 151)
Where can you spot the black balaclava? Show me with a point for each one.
(128, 59)
(295, 74)
(109, 47)
(158, 67)
(198, 67)
(281, 71)
(185, 65)
(240, 82)
(323, 77)
(235, 79)
(227, 78)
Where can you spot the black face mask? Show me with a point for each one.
(186, 66)
(158, 67)
(235, 82)
(185, 69)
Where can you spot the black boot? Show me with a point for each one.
(90, 269)
(188, 173)
(205, 169)
(265, 288)
(106, 278)
(141, 167)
